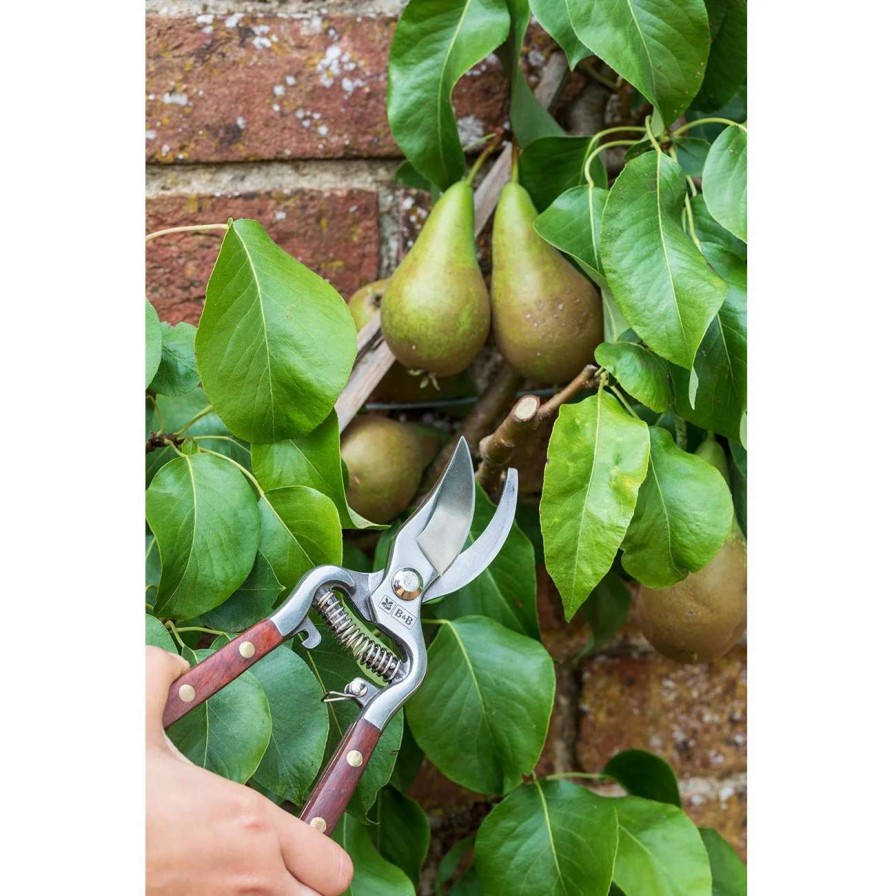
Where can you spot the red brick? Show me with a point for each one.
(277, 87)
(723, 807)
(693, 716)
(335, 233)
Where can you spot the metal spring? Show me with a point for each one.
(363, 648)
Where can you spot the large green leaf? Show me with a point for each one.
(450, 862)
(597, 459)
(660, 851)
(639, 371)
(528, 118)
(727, 66)
(660, 46)
(572, 223)
(481, 715)
(554, 18)
(275, 343)
(158, 635)
(334, 667)
(374, 876)
(606, 608)
(204, 516)
(400, 831)
(435, 42)
(644, 774)
(153, 342)
(299, 530)
(299, 725)
(177, 373)
(683, 515)
(662, 283)
(153, 568)
(228, 733)
(550, 838)
(551, 165)
(729, 874)
(250, 602)
(505, 590)
(312, 460)
(407, 762)
(725, 180)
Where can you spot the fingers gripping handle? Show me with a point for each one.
(222, 667)
(338, 781)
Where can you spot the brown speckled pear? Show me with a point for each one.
(547, 317)
(702, 617)
(435, 311)
(385, 461)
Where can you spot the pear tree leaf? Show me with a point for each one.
(606, 608)
(435, 42)
(551, 165)
(729, 874)
(725, 180)
(548, 837)
(408, 762)
(451, 861)
(615, 323)
(252, 601)
(299, 725)
(528, 118)
(468, 885)
(639, 371)
(177, 373)
(229, 733)
(374, 876)
(690, 153)
(334, 667)
(660, 851)
(683, 515)
(203, 513)
(480, 726)
(726, 69)
(597, 460)
(153, 568)
(554, 18)
(299, 530)
(400, 831)
(644, 774)
(659, 46)
(408, 175)
(153, 342)
(561, 224)
(663, 285)
(505, 590)
(159, 636)
(275, 343)
(311, 460)
(723, 250)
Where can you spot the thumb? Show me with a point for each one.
(162, 670)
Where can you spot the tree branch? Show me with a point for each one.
(162, 440)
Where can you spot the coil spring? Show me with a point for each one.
(363, 648)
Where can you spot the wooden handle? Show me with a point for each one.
(209, 676)
(337, 783)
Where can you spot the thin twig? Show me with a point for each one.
(162, 440)
(497, 449)
(585, 380)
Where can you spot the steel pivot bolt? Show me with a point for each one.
(407, 583)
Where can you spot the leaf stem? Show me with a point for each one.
(699, 121)
(187, 228)
(474, 170)
(173, 629)
(199, 628)
(238, 465)
(598, 151)
(198, 416)
(650, 136)
(618, 393)
(689, 213)
(595, 776)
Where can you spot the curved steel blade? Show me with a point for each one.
(453, 501)
(480, 554)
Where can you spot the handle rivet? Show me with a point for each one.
(187, 693)
(354, 758)
(247, 649)
(407, 583)
(318, 824)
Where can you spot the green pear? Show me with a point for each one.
(435, 311)
(547, 317)
(385, 461)
(703, 616)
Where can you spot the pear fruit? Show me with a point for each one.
(547, 317)
(385, 461)
(702, 617)
(435, 310)
(399, 384)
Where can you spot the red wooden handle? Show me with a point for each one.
(209, 676)
(337, 783)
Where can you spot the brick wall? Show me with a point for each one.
(276, 111)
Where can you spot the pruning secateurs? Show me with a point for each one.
(426, 562)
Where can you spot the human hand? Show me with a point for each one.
(207, 836)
